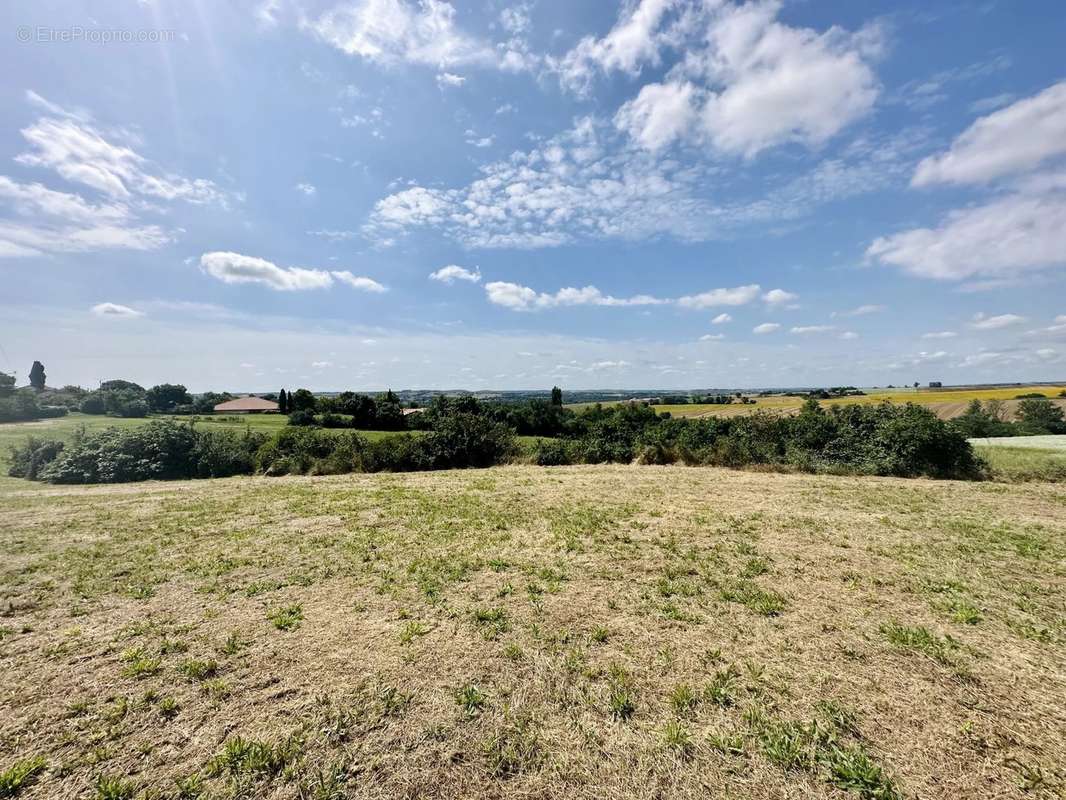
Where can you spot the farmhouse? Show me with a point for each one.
(247, 405)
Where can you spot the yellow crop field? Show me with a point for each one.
(945, 402)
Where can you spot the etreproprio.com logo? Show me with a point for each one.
(42, 34)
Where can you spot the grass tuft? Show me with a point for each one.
(287, 618)
(21, 775)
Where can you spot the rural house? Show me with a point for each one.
(247, 405)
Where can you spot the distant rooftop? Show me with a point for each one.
(249, 403)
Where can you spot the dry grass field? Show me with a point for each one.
(577, 632)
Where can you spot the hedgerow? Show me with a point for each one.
(903, 440)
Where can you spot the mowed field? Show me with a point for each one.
(577, 632)
(946, 403)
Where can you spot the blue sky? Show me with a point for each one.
(501, 194)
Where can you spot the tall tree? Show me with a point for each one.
(37, 376)
(557, 396)
(7, 384)
(283, 402)
(166, 396)
(301, 400)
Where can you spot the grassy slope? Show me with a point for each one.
(521, 632)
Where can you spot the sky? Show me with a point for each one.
(511, 194)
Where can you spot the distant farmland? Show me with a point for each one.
(945, 403)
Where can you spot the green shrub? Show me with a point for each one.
(28, 459)
(553, 453)
(94, 404)
(159, 450)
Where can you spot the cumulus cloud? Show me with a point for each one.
(766, 327)
(807, 329)
(634, 41)
(737, 296)
(1014, 139)
(453, 272)
(746, 82)
(1008, 235)
(390, 32)
(521, 298)
(779, 297)
(450, 80)
(359, 282)
(306, 189)
(859, 311)
(235, 268)
(722, 319)
(114, 310)
(983, 322)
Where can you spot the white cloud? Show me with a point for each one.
(746, 82)
(359, 282)
(722, 319)
(632, 42)
(78, 152)
(806, 329)
(737, 296)
(766, 327)
(859, 311)
(449, 80)
(115, 310)
(1008, 235)
(590, 182)
(712, 337)
(982, 322)
(321, 364)
(939, 335)
(986, 104)
(522, 298)
(414, 206)
(334, 236)
(453, 272)
(32, 199)
(479, 141)
(45, 220)
(236, 268)
(849, 335)
(778, 297)
(1014, 139)
(306, 189)
(506, 108)
(394, 31)
(59, 222)
(659, 115)
(1047, 353)
(266, 13)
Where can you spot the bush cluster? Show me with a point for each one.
(165, 450)
(24, 406)
(160, 450)
(1036, 415)
(886, 439)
